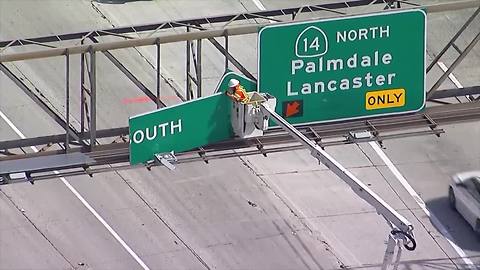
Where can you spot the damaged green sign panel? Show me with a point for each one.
(248, 84)
(180, 128)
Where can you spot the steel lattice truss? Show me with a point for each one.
(192, 32)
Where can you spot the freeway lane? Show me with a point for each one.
(329, 206)
(429, 167)
(48, 74)
(230, 218)
(45, 233)
(85, 243)
(335, 220)
(212, 60)
(465, 72)
(18, 234)
(323, 201)
(17, 105)
(69, 227)
(226, 214)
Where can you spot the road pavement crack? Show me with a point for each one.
(309, 170)
(165, 223)
(96, 9)
(355, 213)
(23, 212)
(302, 220)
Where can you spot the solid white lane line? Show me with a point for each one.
(421, 203)
(450, 76)
(261, 7)
(104, 223)
(15, 129)
(82, 200)
(259, 4)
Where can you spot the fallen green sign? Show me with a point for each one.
(345, 68)
(180, 128)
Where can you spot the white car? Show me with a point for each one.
(464, 196)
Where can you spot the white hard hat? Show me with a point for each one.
(233, 83)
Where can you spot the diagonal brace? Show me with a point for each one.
(39, 102)
(130, 75)
(453, 66)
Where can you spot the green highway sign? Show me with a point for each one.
(345, 68)
(180, 128)
(247, 83)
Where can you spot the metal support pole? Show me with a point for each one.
(187, 73)
(231, 59)
(454, 38)
(158, 76)
(67, 99)
(82, 93)
(226, 54)
(93, 100)
(129, 74)
(454, 65)
(390, 4)
(51, 111)
(198, 68)
(389, 252)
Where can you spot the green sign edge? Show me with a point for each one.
(382, 13)
(217, 88)
(173, 106)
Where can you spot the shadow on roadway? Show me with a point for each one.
(462, 233)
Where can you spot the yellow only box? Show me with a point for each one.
(385, 99)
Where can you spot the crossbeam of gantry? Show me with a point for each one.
(205, 22)
(7, 146)
(273, 141)
(206, 34)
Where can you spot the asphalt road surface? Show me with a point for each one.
(283, 211)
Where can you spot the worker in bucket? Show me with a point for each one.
(237, 92)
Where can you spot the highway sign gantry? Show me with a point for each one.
(180, 128)
(345, 68)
